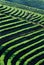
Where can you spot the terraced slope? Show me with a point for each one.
(22, 37)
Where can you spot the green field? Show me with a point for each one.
(21, 34)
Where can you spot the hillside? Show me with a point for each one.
(21, 34)
(32, 3)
